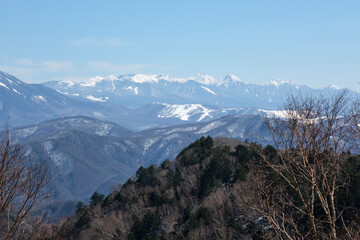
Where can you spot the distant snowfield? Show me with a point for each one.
(90, 97)
(185, 111)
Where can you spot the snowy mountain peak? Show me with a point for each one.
(95, 80)
(334, 87)
(205, 79)
(142, 78)
(231, 78)
(150, 78)
(278, 82)
(92, 81)
(112, 78)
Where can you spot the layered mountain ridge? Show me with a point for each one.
(87, 155)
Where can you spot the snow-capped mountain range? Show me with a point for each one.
(140, 101)
(23, 104)
(135, 90)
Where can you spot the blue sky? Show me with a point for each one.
(316, 43)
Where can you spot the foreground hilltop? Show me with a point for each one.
(197, 196)
(210, 191)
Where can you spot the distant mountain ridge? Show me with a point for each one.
(135, 90)
(78, 123)
(140, 101)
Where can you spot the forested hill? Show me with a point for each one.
(210, 191)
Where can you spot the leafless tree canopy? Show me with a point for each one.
(22, 187)
(300, 199)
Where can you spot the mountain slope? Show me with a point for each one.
(79, 123)
(80, 163)
(79, 153)
(24, 104)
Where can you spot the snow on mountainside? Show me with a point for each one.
(184, 112)
(156, 115)
(136, 90)
(198, 112)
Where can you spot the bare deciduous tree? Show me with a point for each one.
(299, 199)
(22, 187)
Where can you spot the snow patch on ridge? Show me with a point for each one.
(277, 83)
(39, 98)
(3, 85)
(135, 89)
(66, 93)
(16, 91)
(208, 90)
(91, 97)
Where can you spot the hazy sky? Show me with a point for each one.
(316, 43)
